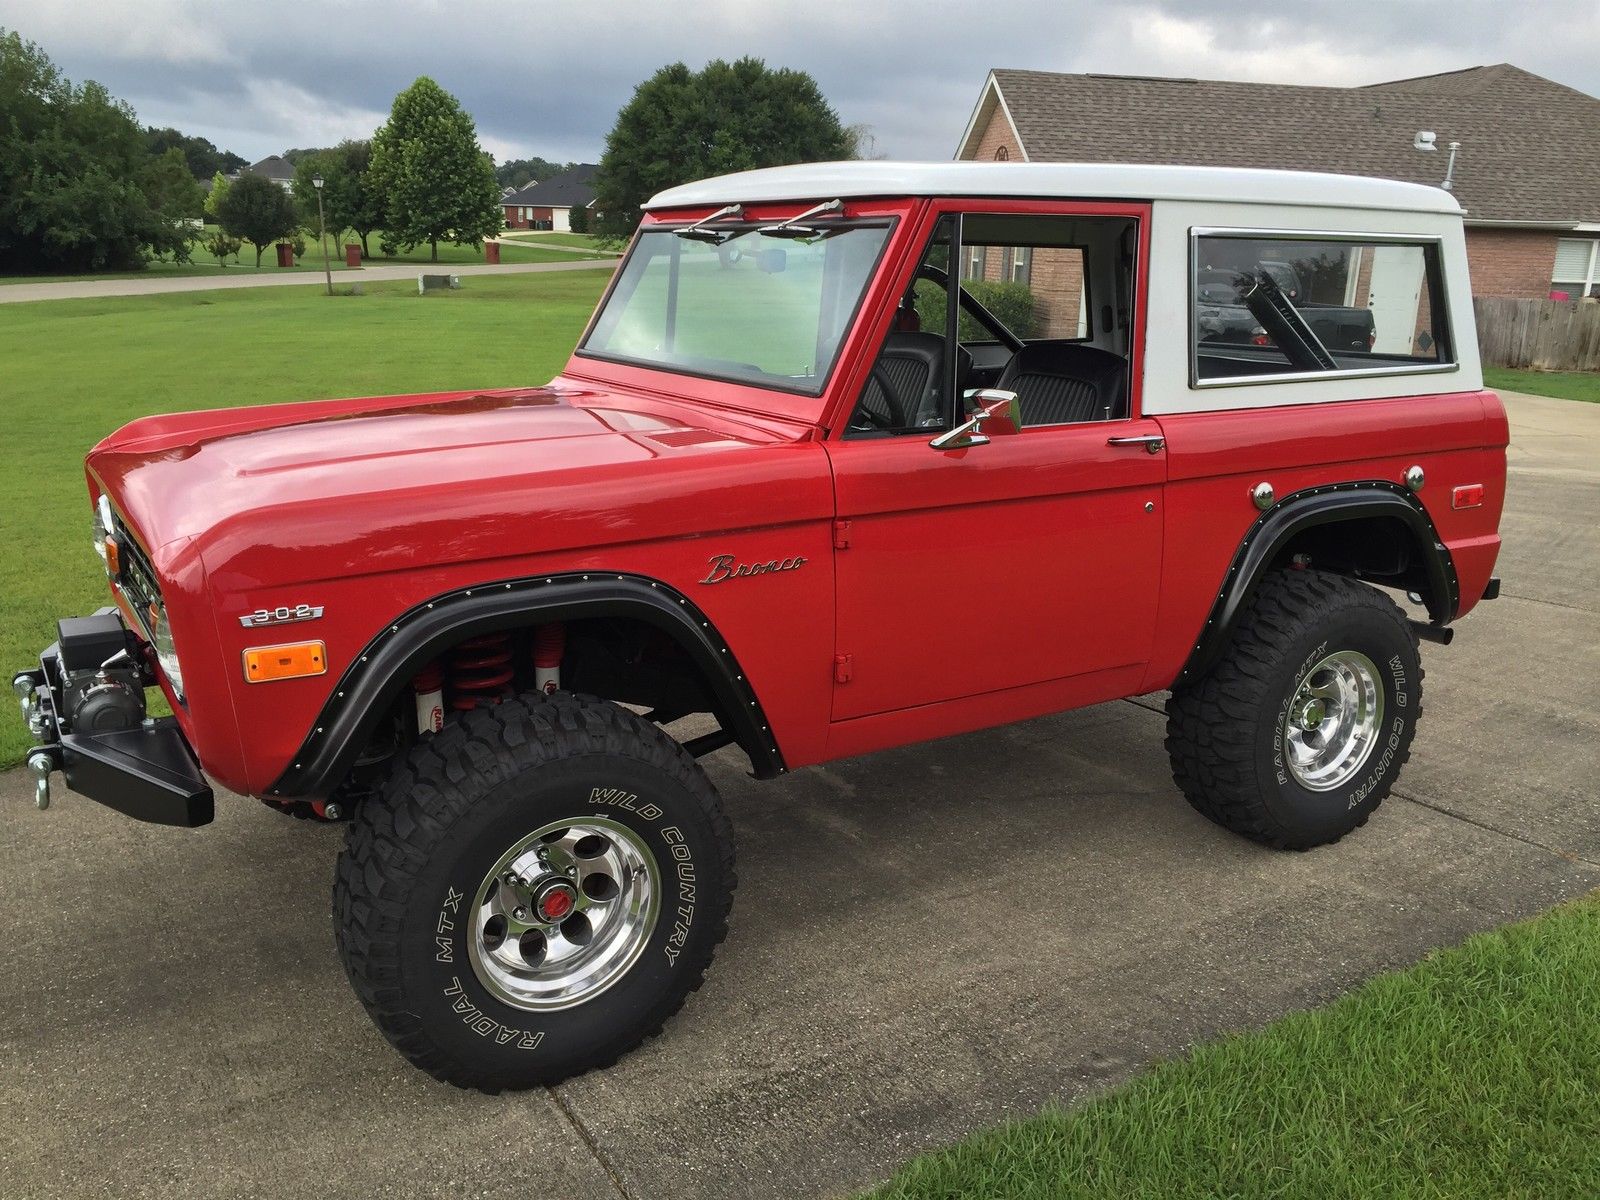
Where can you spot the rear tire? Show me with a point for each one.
(537, 889)
(1299, 731)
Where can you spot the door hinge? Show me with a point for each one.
(841, 535)
(841, 668)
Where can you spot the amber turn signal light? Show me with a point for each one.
(113, 558)
(294, 661)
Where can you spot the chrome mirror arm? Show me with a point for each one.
(994, 404)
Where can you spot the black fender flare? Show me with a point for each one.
(1325, 505)
(388, 663)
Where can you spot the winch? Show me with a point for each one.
(90, 682)
(102, 684)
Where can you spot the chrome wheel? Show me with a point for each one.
(1333, 720)
(564, 913)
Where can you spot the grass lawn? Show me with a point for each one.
(245, 262)
(1565, 385)
(1474, 1074)
(75, 370)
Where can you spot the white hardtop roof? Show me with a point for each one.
(1055, 181)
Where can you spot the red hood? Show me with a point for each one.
(341, 487)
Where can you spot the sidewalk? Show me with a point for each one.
(534, 240)
(15, 293)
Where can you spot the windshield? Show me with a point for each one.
(764, 308)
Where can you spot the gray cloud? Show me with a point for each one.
(258, 78)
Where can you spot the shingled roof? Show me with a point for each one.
(274, 168)
(571, 189)
(1530, 147)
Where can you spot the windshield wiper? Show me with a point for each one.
(698, 233)
(792, 227)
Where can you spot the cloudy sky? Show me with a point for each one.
(548, 78)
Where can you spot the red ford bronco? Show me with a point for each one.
(824, 418)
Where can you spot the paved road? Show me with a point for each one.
(140, 285)
(926, 942)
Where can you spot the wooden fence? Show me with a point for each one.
(1548, 335)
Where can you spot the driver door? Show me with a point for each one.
(1035, 557)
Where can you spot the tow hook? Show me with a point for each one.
(40, 764)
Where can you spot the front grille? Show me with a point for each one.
(138, 580)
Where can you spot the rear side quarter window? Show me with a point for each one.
(1267, 306)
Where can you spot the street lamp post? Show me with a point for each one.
(322, 228)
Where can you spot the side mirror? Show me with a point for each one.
(998, 413)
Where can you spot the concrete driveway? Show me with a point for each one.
(926, 942)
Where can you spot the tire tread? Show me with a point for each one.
(1212, 723)
(391, 838)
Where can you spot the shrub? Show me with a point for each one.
(297, 245)
(221, 245)
(1011, 303)
(578, 217)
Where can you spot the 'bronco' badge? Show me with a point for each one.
(724, 566)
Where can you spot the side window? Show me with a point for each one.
(1031, 320)
(1060, 347)
(1266, 307)
(908, 390)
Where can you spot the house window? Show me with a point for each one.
(974, 262)
(1577, 269)
(1002, 154)
(1019, 267)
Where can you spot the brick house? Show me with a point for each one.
(1527, 174)
(549, 205)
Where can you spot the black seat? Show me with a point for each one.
(911, 364)
(1060, 383)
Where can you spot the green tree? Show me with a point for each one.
(578, 218)
(348, 198)
(221, 245)
(72, 163)
(257, 210)
(203, 158)
(436, 181)
(683, 125)
(520, 172)
(214, 198)
(170, 187)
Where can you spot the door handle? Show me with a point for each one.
(1153, 442)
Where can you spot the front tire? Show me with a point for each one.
(1298, 732)
(537, 889)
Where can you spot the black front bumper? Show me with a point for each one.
(148, 773)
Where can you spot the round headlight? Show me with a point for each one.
(166, 649)
(104, 523)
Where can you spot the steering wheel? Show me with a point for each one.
(896, 418)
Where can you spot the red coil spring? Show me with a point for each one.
(480, 671)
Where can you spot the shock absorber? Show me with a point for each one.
(480, 671)
(549, 643)
(428, 686)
